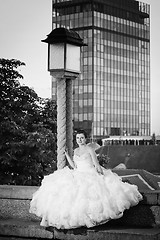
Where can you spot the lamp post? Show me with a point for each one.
(64, 56)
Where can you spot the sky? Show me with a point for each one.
(24, 23)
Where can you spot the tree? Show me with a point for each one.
(28, 129)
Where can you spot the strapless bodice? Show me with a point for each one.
(83, 162)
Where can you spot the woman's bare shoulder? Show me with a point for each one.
(89, 149)
(76, 150)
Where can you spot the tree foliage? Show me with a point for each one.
(28, 130)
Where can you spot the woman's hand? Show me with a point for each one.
(66, 151)
(70, 161)
(99, 169)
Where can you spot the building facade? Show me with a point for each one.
(112, 95)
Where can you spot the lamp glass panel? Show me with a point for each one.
(73, 58)
(56, 56)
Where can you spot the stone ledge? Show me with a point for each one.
(16, 208)
(151, 197)
(20, 228)
(17, 192)
(17, 229)
(107, 233)
(15, 238)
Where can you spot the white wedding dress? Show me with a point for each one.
(82, 197)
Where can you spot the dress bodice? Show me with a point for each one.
(83, 162)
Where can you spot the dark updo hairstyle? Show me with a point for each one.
(81, 131)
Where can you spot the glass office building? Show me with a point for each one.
(112, 95)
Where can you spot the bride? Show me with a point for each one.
(86, 195)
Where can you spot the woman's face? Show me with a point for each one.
(80, 139)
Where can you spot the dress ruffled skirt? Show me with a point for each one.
(71, 198)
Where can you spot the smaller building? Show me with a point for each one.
(127, 140)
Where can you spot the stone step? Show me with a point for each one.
(15, 238)
(108, 233)
(23, 229)
(17, 192)
(16, 208)
(14, 229)
(15, 202)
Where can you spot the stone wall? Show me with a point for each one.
(15, 219)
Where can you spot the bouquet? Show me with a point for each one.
(103, 159)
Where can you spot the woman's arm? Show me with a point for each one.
(70, 161)
(95, 160)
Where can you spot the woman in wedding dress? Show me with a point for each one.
(86, 195)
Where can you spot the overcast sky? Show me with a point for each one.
(24, 23)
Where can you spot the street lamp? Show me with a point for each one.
(64, 61)
(64, 47)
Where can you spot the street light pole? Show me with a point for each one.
(64, 65)
(69, 116)
(64, 116)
